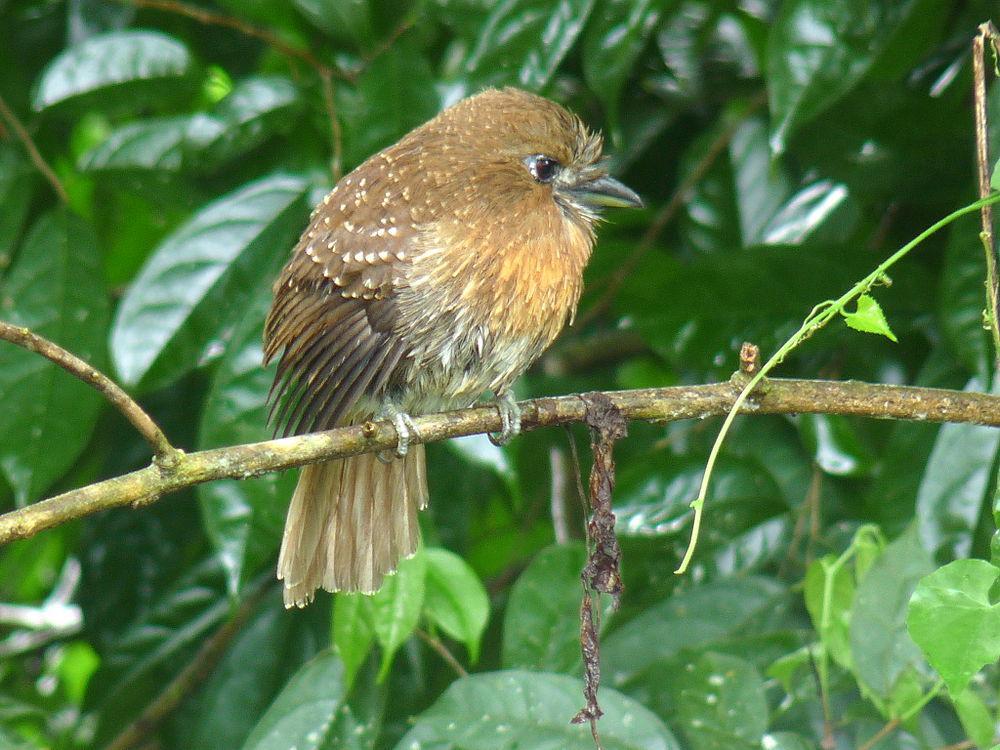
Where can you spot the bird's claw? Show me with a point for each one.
(510, 421)
(405, 430)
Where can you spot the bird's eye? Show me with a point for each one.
(543, 168)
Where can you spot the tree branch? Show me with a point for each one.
(657, 404)
(33, 153)
(143, 423)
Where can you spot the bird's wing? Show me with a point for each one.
(332, 320)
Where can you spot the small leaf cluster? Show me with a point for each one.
(845, 584)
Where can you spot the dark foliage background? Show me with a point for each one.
(808, 139)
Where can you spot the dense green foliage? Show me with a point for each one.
(815, 137)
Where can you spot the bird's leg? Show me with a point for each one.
(405, 429)
(510, 420)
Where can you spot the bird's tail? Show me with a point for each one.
(350, 522)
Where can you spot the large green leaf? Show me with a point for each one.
(541, 628)
(523, 41)
(514, 709)
(955, 484)
(954, 618)
(154, 647)
(154, 144)
(686, 620)
(455, 599)
(180, 310)
(720, 703)
(243, 518)
(305, 713)
(57, 290)
(128, 66)
(881, 649)
(396, 607)
(268, 649)
(818, 51)
(17, 180)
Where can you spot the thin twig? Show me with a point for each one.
(196, 672)
(212, 18)
(336, 137)
(442, 651)
(881, 734)
(654, 404)
(983, 166)
(33, 153)
(559, 488)
(666, 214)
(139, 419)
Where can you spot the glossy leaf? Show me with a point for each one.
(523, 41)
(129, 62)
(396, 607)
(531, 709)
(243, 519)
(155, 646)
(880, 646)
(615, 36)
(869, 318)
(257, 107)
(455, 599)
(955, 484)
(17, 180)
(304, 713)
(688, 619)
(353, 631)
(179, 311)
(818, 51)
(955, 620)
(541, 628)
(341, 19)
(835, 444)
(831, 616)
(153, 144)
(57, 290)
(720, 703)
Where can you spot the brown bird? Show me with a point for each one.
(439, 269)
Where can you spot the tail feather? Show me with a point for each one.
(350, 522)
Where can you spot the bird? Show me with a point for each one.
(435, 272)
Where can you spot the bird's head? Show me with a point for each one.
(507, 147)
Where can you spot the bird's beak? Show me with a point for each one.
(605, 191)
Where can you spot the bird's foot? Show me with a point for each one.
(405, 430)
(510, 420)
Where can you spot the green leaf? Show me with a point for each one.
(345, 20)
(687, 620)
(836, 445)
(156, 144)
(394, 94)
(616, 34)
(962, 299)
(955, 621)
(720, 703)
(396, 607)
(522, 42)
(269, 647)
(243, 519)
(880, 646)
(955, 484)
(157, 644)
(131, 65)
(833, 622)
(179, 311)
(869, 318)
(785, 741)
(976, 718)
(353, 631)
(57, 290)
(541, 628)
(995, 177)
(305, 713)
(17, 182)
(256, 108)
(455, 599)
(514, 709)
